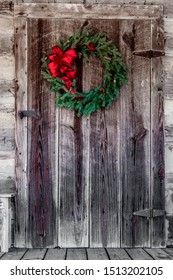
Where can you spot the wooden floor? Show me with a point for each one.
(88, 254)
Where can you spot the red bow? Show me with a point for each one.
(61, 65)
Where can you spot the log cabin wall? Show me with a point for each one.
(7, 96)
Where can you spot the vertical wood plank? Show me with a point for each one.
(157, 137)
(21, 204)
(135, 134)
(104, 157)
(41, 141)
(73, 166)
(5, 224)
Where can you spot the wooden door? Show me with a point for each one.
(83, 180)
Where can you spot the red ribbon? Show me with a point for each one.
(60, 65)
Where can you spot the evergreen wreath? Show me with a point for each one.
(61, 75)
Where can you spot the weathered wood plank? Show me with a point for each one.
(34, 254)
(21, 204)
(14, 254)
(138, 254)
(5, 223)
(7, 103)
(157, 138)
(42, 231)
(7, 67)
(104, 158)
(7, 164)
(76, 254)
(168, 36)
(159, 254)
(168, 128)
(169, 251)
(55, 254)
(8, 120)
(7, 185)
(86, 11)
(135, 134)
(97, 254)
(117, 254)
(47, 1)
(6, 9)
(1, 254)
(7, 142)
(168, 80)
(167, 4)
(73, 166)
(6, 35)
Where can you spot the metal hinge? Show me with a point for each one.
(28, 113)
(149, 213)
(149, 53)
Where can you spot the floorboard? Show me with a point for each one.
(159, 254)
(34, 254)
(117, 254)
(97, 254)
(55, 254)
(138, 254)
(14, 254)
(1, 254)
(76, 254)
(169, 251)
(88, 254)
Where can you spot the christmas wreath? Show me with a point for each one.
(59, 71)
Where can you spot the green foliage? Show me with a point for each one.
(88, 102)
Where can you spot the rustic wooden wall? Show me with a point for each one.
(7, 100)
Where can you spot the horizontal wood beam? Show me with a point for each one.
(97, 11)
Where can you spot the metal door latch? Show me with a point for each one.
(149, 213)
(28, 113)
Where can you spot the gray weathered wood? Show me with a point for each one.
(73, 166)
(86, 11)
(21, 229)
(76, 254)
(7, 186)
(117, 254)
(104, 158)
(7, 142)
(135, 134)
(14, 254)
(168, 6)
(157, 137)
(6, 35)
(42, 194)
(5, 223)
(138, 254)
(7, 71)
(169, 251)
(34, 254)
(6, 9)
(97, 254)
(55, 254)
(1, 254)
(159, 254)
